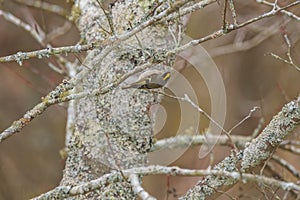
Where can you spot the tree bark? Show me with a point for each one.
(113, 131)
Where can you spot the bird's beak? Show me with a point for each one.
(166, 76)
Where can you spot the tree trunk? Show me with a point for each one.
(113, 131)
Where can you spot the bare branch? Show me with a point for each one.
(232, 27)
(244, 119)
(224, 22)
(290, 14)
(233, 12)
(289, 60)
(187, 140)
(248, 44)
(286, 165)
(282, 125)
(137, 188)
(64, 192)
(44, 6)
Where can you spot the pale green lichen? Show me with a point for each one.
(146, 5)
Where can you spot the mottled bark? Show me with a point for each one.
(113, 131)
(255, 153)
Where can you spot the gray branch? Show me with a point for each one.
(256, 152)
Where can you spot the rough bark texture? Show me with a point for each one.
(113, 131)
(280, 127)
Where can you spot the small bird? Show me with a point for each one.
(150, 80)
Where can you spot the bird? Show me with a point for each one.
(151, 79)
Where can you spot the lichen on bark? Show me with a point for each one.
(113, 131)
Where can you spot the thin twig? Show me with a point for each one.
(39, 36)
(183, 141)
(284, 60)
(230, 28)
(288, 13)
(187, 99)
(286, 165)
(244, 119)
(245, 45)
(110, 44)
(224, 23)
(288, 53)
(258, 128)
(108, 18)
(56, 97)
(44, 6)
(138, 189)
(291, 148)
(233, 13)
(111, 41)
(83, 188)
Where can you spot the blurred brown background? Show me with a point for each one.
(29, 161)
